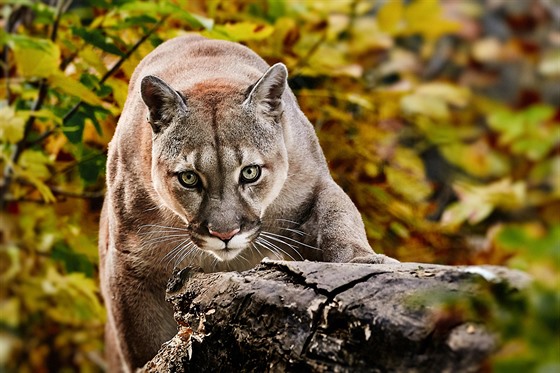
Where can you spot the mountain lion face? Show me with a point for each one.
(218, 157)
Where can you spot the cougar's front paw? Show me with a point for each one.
(375, 259)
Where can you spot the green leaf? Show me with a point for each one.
(73, 262)
(508, 123)
(92, 168)
(98, 39)
(166, 8)
(537, 114)
(74, 128)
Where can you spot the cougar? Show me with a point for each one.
(214, 165)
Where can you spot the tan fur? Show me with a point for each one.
(217, 110)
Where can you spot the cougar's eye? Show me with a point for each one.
(250, 174)
(188, 179)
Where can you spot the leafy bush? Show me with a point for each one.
(440, 119)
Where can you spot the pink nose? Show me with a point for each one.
(224, 235)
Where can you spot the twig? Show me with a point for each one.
(314, 48)
(21, 145)
(106, 76)
(58, 192)
(84, 195)
(24, 143)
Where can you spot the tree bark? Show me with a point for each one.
(325, 317)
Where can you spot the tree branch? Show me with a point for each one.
(24, 143)
(21, 145)
(106, 76)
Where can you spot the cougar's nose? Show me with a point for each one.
(224, 236)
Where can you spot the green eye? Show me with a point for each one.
(188, 179)
(250, 174)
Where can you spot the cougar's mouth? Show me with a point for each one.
(227, 249)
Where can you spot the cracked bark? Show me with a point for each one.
(308, 316)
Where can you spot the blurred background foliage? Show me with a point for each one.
(439, 118)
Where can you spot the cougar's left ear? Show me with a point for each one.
(266, 94)
(163, 102)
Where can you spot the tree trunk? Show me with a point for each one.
(324, 317)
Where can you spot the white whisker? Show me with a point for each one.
(162, 226)
(283, 242)
(151, 233)
(189, 250)
(256, 249)
(276, 247)
(166, 238)
(288, 221)
(257, 242)
(296, 231)
(240, 256)
(172, 252)
(185, 246)
(269, 234)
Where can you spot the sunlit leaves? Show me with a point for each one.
(407, 176)
(241, 31)
(424, 17)
(33, 167)
(11, 125)
(477, 202)
(530, 132)
(34, 57)
(98, 39)
(76, 296)
(434, 100)
(406, 146)
(72, 87)
(167, 8)
(476, 158)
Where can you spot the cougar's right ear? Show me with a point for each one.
(266, 94)
(163, 102)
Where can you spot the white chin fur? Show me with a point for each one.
(225, 254)
(218, 248)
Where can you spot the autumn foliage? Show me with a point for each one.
(439, 118)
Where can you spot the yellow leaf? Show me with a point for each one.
(408, 185)
(77, 297)
(89, 55)
(433, 107)
(33, 168)
(241, 31)
(390, 17)
(426, 17)
(477, 158)
(120, 90)
(487, 50)
(35, 57)
(476, 203)
(449, 93)
(43, 114)
(11, 125)
(75, 88)
(10, 311)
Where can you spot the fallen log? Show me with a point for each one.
(324, 317)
